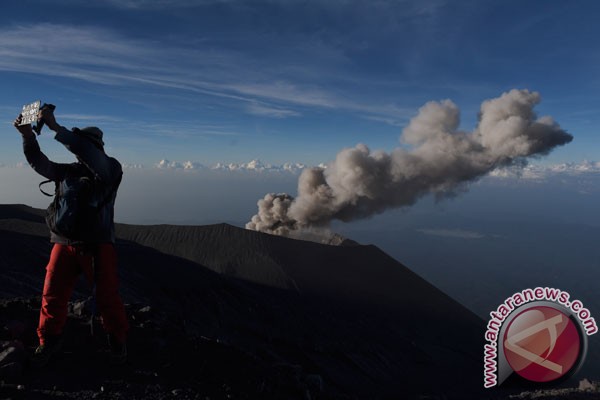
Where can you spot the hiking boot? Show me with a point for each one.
(118, 351)
(44, 353)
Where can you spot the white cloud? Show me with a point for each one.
(220, 166)
(287, 92)
(66, 47)
(386, 120)
(541, 172)
(102, 56)
(528, 172)
(166, 164)
(576, 168)
(251, 166)
(186, 165)
(266, 111)
(293, 167)
(90, 118)
(257, 165)
(193, 165)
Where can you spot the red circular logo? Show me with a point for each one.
(542, 344)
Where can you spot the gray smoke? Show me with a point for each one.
(441, 161)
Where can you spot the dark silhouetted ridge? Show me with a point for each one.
(22, 212)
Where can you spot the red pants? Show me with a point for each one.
(64, 267)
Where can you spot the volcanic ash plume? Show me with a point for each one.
(441, 159)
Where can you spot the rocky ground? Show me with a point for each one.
(585, 390)
(164, 362)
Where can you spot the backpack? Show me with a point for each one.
(75, 210)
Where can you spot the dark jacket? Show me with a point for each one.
(92, 160)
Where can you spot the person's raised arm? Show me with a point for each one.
(38, 160)
(93, 157)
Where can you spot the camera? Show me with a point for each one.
(30, 112)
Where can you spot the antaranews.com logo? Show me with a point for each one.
(539, 334)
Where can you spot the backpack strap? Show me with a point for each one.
(110, 194)
(42, 190)
(100, 205)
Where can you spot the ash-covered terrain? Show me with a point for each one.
(219, 312)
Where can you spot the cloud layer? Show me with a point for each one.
(254, 165)
(523, 172)
(541, 172)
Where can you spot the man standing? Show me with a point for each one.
(90, 250)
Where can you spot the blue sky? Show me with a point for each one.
(289, 80)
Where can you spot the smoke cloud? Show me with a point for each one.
(441, 160)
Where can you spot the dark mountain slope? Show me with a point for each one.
(356, 318)
(361, 274)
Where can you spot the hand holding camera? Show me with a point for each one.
(24, 129)
(46, 116)
(43, 115)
